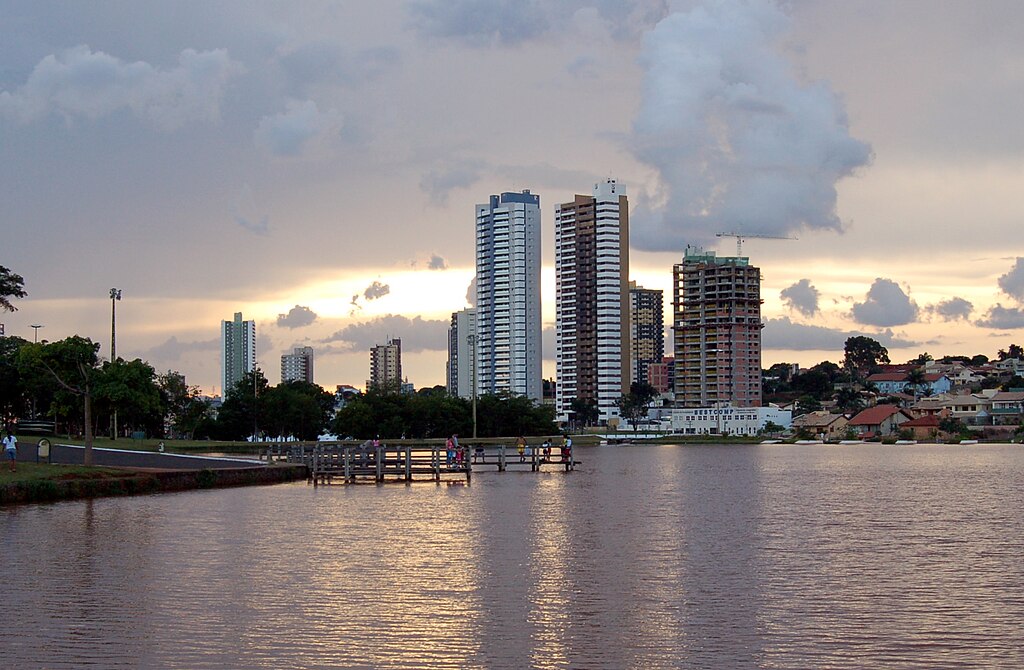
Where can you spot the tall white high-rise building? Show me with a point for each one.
(508, 319)
(461, 342)
(297, 366)
(238, 351)
(592, 300)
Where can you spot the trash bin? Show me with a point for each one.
(43, 450)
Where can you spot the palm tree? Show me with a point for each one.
(915, 380)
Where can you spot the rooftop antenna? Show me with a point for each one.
(745, 236)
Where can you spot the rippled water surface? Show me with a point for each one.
(646, 557)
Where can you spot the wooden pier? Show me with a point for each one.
(334, 463)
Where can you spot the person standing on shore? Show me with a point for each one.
(11, 449)
(521, 448)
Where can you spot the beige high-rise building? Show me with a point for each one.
(646, 330)
(298, 365)
(717, 330)
(386, 365)
(592, 300)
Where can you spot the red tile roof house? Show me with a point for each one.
(923, 427)
(879, 420)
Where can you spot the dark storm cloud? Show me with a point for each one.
(437, 263)
(885, 305)
(297, 317)
(1002, 318)
(417, 334)
(954, 309)
(782, 333)
(801, 297)
(739, 141)
(1012, 282)
(90, 84)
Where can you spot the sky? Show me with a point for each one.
(315, 165)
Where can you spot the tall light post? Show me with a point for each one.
(35, 334)
(472, 375)
(115, 295)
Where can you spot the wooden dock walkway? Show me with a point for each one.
(334, 463)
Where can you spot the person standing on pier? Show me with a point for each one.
(566, 448)
(521, 448)
(449, 452)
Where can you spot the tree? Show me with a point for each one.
(952, 425)
(11, 286)
(849, 400)
(13, 395)
(863, 354)
(184, 407)
(73, 365)
(130, 388)
(806, 404)
(915, 379)
(584, 412)
(297, 408)
(771, 428)
(979, 359)
(634, 405)
(242, 413)
(1013, 351)
(921, 359)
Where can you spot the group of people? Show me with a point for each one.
(455, 453)
(525, 451)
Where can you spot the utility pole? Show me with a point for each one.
(115, 295)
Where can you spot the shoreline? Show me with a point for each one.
(134, 481)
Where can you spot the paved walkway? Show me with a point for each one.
(123, 458)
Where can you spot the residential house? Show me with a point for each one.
(879, 420)
(1007, 408)
(923, 427)
(823, 425)
(972, 409)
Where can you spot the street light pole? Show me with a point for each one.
(115, 295)
(35, 335)
(472, 368)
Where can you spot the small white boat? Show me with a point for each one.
(906, 441)
(808, 442)
(851, 441)
(968, 441)
(771, 441)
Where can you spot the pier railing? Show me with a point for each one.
(329, 463)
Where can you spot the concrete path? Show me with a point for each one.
(123, 458)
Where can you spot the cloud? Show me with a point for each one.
(512, 22)
(290, 132)
(297, 317)
(782, 333)
(801, 297)
(173, 349)
(739, 141)
(244, 212)
(437, 263)
(1002, 318)
(327, 61)
(417, 334)
(885, 305)
(954, 309)
(445, 178)
(376, 290)
(90, 84)
(1012, 282)
(471, 292)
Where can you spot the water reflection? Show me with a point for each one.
(647, 557)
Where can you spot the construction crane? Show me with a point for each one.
(745, 236)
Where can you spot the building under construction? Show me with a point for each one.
(717, 330)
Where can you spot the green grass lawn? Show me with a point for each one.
(29, 472)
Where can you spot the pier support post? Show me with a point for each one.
(501, 458)
(379, 461)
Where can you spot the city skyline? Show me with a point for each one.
(238, 158)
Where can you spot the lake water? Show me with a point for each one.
(769, 556)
